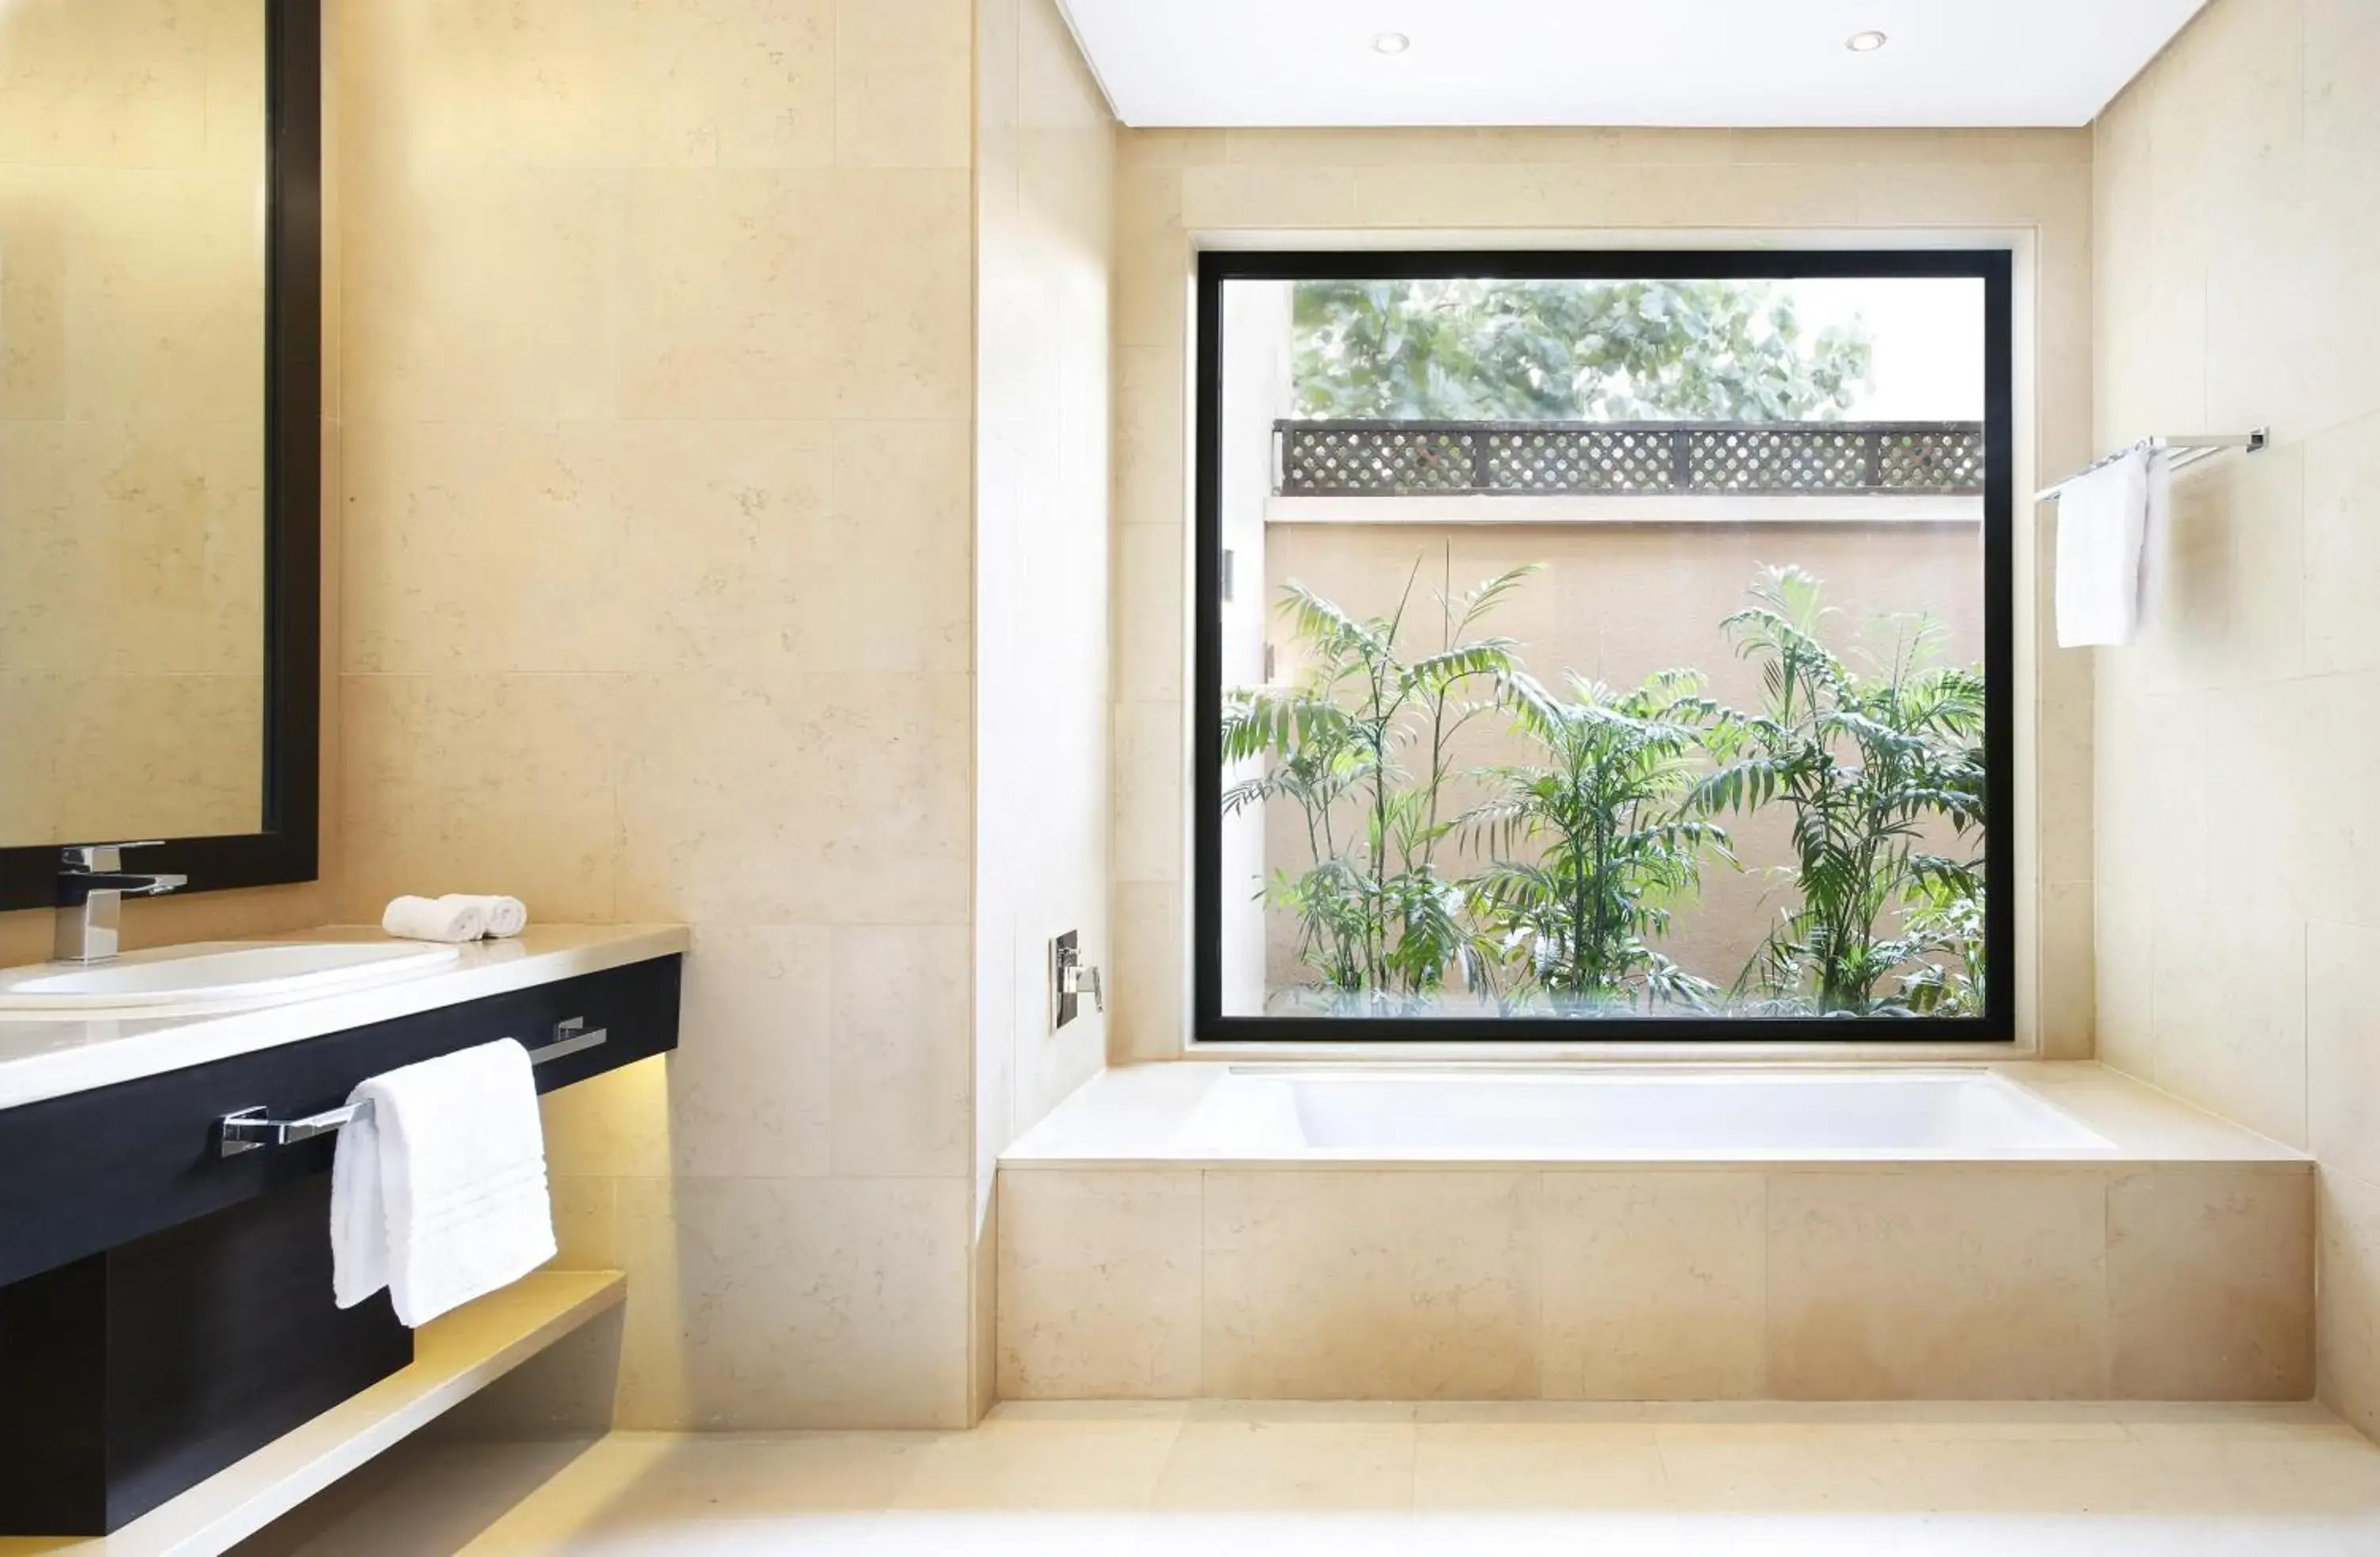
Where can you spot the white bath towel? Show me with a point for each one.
(437, 1191)
(2111, 526)
(435, 919)
(505, 917)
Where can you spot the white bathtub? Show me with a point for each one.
(1732, 1113)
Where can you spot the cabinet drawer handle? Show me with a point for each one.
(571, 1036)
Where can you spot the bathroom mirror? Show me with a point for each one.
(159, 436)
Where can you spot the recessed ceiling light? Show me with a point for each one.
(1864, 43)
(1390, 42)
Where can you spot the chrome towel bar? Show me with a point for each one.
(253, 1127)
(2187, 451)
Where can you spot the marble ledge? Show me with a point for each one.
(1135, 1118)
(49, 1057)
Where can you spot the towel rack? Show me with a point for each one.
(253, 1127)
(2188, 450)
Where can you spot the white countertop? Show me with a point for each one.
(51, 1058)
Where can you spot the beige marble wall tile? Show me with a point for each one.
(1150, 780)
(752, 82)
(431, 586)
(2342, 50)
(751, 1087)
(902, 83)
(881, 830)
(2210, 1284)
(887, 579)
(902, 1052)
(1099, 1285)
(2342, 546)
(612, 1127)
(2347, 1320)
(1151, 650)
(2229, 1000)
(1267, 197)
(1402, 1286)
(1655, 1285)
(487, 294)
(794, 1303)
(720, 541)
(2342, 1056)
(586, 1223)
(1148, 1005)
(796, 294)
(1151, 428)
(487, 779)
(1975, 1285)
(111, 83)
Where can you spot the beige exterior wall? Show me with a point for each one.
(658, 394)
(1044, 224)
(1179, 189)
(1616, 603)
(2238, 214)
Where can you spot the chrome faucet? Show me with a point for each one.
(92, 885)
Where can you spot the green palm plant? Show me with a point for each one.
(1381, 925)
(1591, 845)
(1869, 765)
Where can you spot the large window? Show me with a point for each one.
(1603, 645)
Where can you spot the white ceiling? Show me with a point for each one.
(1619, 61)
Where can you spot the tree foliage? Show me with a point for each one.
(1480, 350)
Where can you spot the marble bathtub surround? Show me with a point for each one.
(1942, 1283)
(2178, 1266)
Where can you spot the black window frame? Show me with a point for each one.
(1994, 267)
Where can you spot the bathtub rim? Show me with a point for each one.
(1110, 1121)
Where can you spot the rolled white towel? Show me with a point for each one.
(506, 917)
(434, 918)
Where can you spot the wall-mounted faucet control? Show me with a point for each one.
(1070, 979)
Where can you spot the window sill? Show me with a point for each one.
(1765, 1053)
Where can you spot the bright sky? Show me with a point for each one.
(1929, 341)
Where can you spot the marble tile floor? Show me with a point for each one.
(1145, 1480)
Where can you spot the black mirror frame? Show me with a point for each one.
(287, 848)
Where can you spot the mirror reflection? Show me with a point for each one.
(132, 414)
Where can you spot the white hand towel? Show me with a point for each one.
(435, 919)
(506, 917)
(439, 1190)
(2111, 526)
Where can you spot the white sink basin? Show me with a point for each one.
(212, 972)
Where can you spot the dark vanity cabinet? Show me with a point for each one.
(165, 1308)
